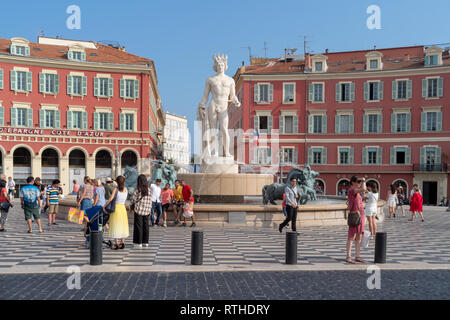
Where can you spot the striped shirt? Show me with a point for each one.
(53, 195)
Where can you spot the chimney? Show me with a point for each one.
(326, 50)
(307, 61)
(374, 47)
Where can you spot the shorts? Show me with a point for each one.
(31, 212)
(11, 191)
(370, 212)
(165, 207)
(392, 203)
(53, 208)
(179, 204)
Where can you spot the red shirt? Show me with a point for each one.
(2, 195)
(283, 204)
(186, 192)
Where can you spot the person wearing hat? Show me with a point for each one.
(402, 199)
(109, 187)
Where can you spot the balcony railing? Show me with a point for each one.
(441, 167)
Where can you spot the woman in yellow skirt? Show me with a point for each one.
(118, 221)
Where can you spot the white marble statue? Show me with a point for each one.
(222, 91)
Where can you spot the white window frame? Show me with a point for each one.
(319, 58)
(283, 149)
(374, 55)
(378, 90)
(284, 92)
(133, 111)
(314, 92)
(341, 148)
(437, 88)
(259, 84)
(433, 51)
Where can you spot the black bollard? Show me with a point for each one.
(197, 248)
(291, 247)
(95, 247)
(380, 247)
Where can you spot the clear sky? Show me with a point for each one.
(181, 36)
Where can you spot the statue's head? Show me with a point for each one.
(220, 63)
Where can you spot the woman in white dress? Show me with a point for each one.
(118, 221)
(371, 207)
(392, 201)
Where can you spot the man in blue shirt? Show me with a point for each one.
(30, 200)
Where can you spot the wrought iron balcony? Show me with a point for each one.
(440, 167)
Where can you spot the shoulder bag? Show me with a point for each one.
(111, 207)
(354, 217)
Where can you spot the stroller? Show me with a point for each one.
(98, 218)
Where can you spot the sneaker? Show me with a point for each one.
(145, 244)
(137, 245)
(193, 225)
(376, 217)
(165, 225)
(176, 222)
(183, 224)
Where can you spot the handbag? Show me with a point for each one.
(354, 219)
(111, 207)
(75, 215)
(5, 206)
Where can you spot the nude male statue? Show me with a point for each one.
(221, 88)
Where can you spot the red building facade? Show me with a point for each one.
(375, 113)
(75, 108)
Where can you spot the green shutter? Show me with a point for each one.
(42, 118)
(56, 83)
(122, 122)
(310, 156)
(393, 122)
(423, 121)
(122, 88)
(96, 87)
(69, 119)
(408, 122)
(365, 123)
(269, 124)
(380, 90)
(439, 121)
(409, 89)
(364, 155)
(380, 123)
(256, 123)
(256, 93)
(110, 87)
(2, 116)
(57, 119)
(269, 155)
(422, 156)
(30, 117)
(324, 155)
(70, 55)
(324, 123)
(295, 156)
(281, 123)
(350, 156)
(440, 87)
(84, 120)
(84, 86)
(13, 80)
(366, 91)
(351, 127)
(408, 155)
(424, 88)
(41, 82)
(255, 155)
(438, 152)
(337, 128)
(295, 124)
(13, 117)
(392, 155)
(338, 92)
(427, 60)
(310, 124)
(27, 51)
(1, 79)
(270, 92)
(96, 121)
(352, 91)
(310, 92)
(69, 84)
(136, 89)
(12, 49)
(380, 155)
(394, 90)
(29, 81)
(111, 121)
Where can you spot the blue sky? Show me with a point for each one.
(181, 36)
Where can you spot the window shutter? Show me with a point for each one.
(136, 89)
(41, 82)
(84, 86)
(352, 91)
(310, 92)
(70, 55)
(270, 92)
(295, 156)
(13, 117)
(364, 155)
(30, 117)
(439, 121)
(438, 152)
(110, 87)
(57, 119)
(310, 156)
(256, 123)
(111, 121)
(393, 122)
(409, 89)
(424, 88)
(13, 81)
(337, 128)
(324, 156)
(295, 124)
(96, 87)
(380, 155)
(380, 90)
(394, 90)
(310, 124)
(350, 156)
(281, 123)
(366, 91)
(122, 122)
(83, 56)
(408, 122)
(42, 118)
(2, 116)
(255, 155)
(84, 122)
(29, 81)
(422, 156)
(351, 125)
(12, 49)
(380, 123)
(440, 87)
(324, 123)
(27, 51)
(269, 155)
(96, 124)
(423, 121)
(122, 88)
(365, 123)
(69, 119)
(1, 79)
(56, 83)
(256, 93)
(427, 60)
(270, 124)
(69, 84)
(392, 155)
(338, 92)
(408, 155)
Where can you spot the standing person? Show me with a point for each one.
(30, 200)
(392, 200)
(355, 203)
(402, 199)
(291, 196)
(371, 207)
(416, 204)
(188, 212)
(11, 188)
(118, 221)
(283, 206)
(41, 187)
(178, 201)
(156, 202)
(4, 201)
(411, 193)
(188, 198)
(53, 201)
(86, 195)
(109, 187)
(166, 200)
(76, 187)
(142, 202)
(99, 198)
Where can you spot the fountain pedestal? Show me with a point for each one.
(219, 165)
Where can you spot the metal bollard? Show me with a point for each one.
(197, 248)
(95, 247)
(380, 247)
(291, 247)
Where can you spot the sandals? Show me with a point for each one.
(349, 260)
(360, 260)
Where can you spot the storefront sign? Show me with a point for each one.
(57, 132)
